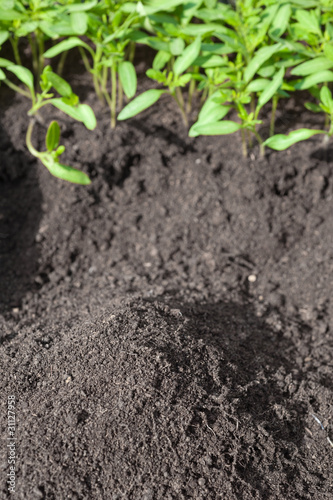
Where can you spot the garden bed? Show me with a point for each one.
(167, 330)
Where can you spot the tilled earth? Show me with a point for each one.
(166, 331)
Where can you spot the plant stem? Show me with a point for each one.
(260, 142)
(34, 53)
(61, 63)
(30, 147)
(14, 43)
(16, 88)
(191, 91)
(120, 95)
(113, 93)
(244, 145)
(177, 94)
(274, 107)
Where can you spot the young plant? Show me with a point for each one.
(173, 79)
(68, 103)
(108, 28)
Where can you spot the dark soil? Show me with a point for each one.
(166, 331)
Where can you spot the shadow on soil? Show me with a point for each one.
(20, 213)
(257, 366)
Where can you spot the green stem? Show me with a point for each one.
(14, 43)
(34, 53)
(40, 42)
(274, 108)
(17, 89)
(191, 91)
(113, 93)
(120, 95)
(180, 103)
(30, 147)
(131, 52)
(244, 145)
(61, 63)
(260, 142)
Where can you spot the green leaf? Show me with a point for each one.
(52, 136)
(308, 20)
(65, 45)
(2, 75)
(10, 15)
(161, 59)
(271, 89)
(257, 85)
(79, 22)
(186, 59)
(326, 98)
(4, 63)
(281, 142)
(314, 66)
(23, 74)
(177, 45)
(280, 22)
(82, 112)
(4, 35)
(224, 127)
(258, 60)
(59, 83)
(313, 107)
(212, 111)
(328, 51)
(65, 172)
(80, 7)
(128, 78)
(310, 81)
(140, 103)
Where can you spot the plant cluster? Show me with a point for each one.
(238, 56)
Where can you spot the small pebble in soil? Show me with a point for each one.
(201, 481)
(252, 278)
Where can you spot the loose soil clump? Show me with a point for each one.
(166, 331)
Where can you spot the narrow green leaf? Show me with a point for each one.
(79, 22)
(224, 127)
(140, 103)
(271, 88)
(80, 7)
(280, 22)
(128, 78)
(281, 142)
(310, 81)
(313, 107)
(65, 45)
(177, 45)
(212, 111)
(87, 116)
(161, 59)
(59, 84)
(52, 136)
(326, 98)
(2, 75)
(4, 35)
(258, 60)
(65, 172)
(10, 15)
(257, 85)
(23, 74)
(81, 112)
(328, 51)
(314, 66)
(186, 59)
(4, 63)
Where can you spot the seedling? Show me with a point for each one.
(108, 28)
(173, 79)
(68, 103)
